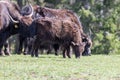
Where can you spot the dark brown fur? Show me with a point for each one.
(60, 14)
(63, 32)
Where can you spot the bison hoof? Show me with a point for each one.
(64, 56)
(69, 57)
(56, 54)
(36, 56)
(7, 53)
(32, 55)
(25, 53)
(2, 53)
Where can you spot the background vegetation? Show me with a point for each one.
(100, 20)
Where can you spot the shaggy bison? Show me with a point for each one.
(54, 31)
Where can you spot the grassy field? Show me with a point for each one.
(50, 67)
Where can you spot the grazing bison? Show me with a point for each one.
(62, 14)
(54, 31)
(11, 22)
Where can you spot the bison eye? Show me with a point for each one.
(16, 26)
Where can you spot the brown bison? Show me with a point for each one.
(54, 31)
(64, 15)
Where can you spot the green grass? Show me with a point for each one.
(50, 67)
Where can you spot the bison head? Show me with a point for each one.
(20, 18)
(87, 48)
(16, 15)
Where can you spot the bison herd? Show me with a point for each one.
(42, 28)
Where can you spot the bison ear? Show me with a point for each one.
(48, 23)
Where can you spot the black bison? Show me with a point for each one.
(24, 40)
(11, 22)
(88, 46)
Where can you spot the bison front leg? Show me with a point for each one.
(32, 53)
(64, 53)
(56, 48)
(49, 50)
(68, 52)
(2, 41)
(7, 48)
(20, 47)
(1, 52)
(36, 52)
(77, 51)
(25, 48)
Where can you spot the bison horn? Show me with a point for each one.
(30, 15)
(13, 19)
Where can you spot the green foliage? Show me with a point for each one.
(102, 18)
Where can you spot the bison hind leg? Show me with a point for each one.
(32, 53)
(36, 53)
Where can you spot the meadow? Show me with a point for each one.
(50, 67)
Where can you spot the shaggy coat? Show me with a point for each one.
(54, 31)
(60, 14)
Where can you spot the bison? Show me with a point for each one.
(11, 21)
(63, 14)
(54, 31)
(88, 45)
(60, 14)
